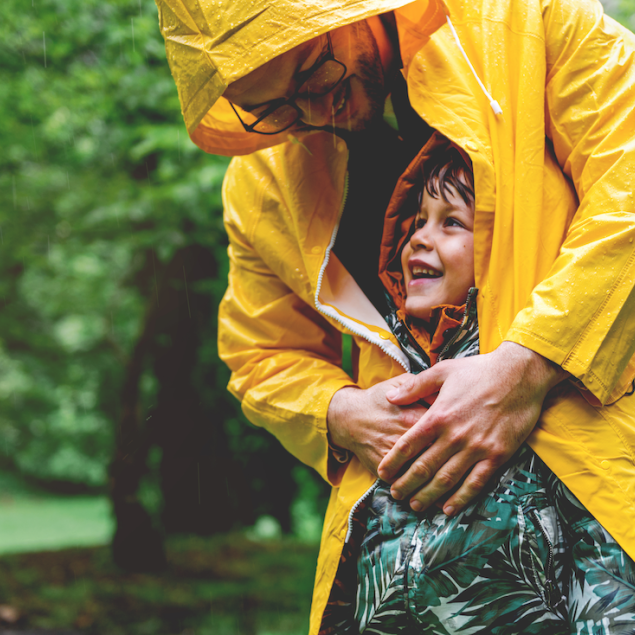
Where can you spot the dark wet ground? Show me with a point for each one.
(221, 586)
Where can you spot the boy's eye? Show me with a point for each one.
(453, 222)
(419, 223)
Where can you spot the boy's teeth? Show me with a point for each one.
(423, 271)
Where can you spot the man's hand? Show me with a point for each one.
(486, 407)
(367, 424)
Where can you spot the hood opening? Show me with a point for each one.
(398, 221)
(210, 44)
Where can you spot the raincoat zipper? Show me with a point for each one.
(355, 507)
(333, 314)
(470, 297)
(550, 589)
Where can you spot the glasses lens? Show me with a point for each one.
(278, 120)
(324, 79)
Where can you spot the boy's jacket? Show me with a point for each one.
(554, 230)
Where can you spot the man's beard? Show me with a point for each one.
(370, 74)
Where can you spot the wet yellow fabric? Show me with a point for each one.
(554, 223)
(210, 43)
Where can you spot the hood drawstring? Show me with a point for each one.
(492, 102)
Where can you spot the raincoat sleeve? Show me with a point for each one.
(285, 358)
(587, 301)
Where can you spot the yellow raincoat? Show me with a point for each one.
(554, 224)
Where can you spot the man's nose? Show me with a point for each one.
(316, 111)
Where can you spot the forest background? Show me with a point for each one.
(113, 263)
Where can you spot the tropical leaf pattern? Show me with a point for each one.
(525, 558)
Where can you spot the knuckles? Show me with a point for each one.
(405, 448)
(477, 482)
(446, 480)
(420, 471)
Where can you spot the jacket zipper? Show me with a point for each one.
(550, 587)
(355, 507)
(349, 327)
(468, 304)
(333, 314)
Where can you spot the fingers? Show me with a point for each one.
(473, 485)
(447, 479)
(438, 471)
(411, 443)
(415, 387)
(431, 475)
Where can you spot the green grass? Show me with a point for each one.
(35, 525)
(236, 584)
(32, 519)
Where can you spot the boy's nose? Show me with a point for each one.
(422, 238)
(316, 111)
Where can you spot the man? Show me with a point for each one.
(554, 253)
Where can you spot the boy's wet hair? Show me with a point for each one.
(447, 167)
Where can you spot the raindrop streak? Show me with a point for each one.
(15, 195)
(178, 144)
(33, 134)
(112, 324)
(139, 8)
(333, 122)
(1, 237)
(68, 180)
(132, 25)
(198, 474)
(186, 293)
(156, 287)
(44, 46)
(48, 240)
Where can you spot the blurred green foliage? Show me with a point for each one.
(622, 10)
(98, 180)
(99, 187)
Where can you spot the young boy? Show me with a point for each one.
(526, 557)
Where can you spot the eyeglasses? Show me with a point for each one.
(317, 81)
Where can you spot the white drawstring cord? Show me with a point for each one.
(492, 102)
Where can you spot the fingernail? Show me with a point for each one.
(392, 393)
(448, 511)
(396, 494)
(416, 506)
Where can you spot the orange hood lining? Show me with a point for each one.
(400, 214)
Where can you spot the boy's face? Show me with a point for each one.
(438, 260)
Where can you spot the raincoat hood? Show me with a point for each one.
(564, 77)
(212, 43)
(399, 218)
